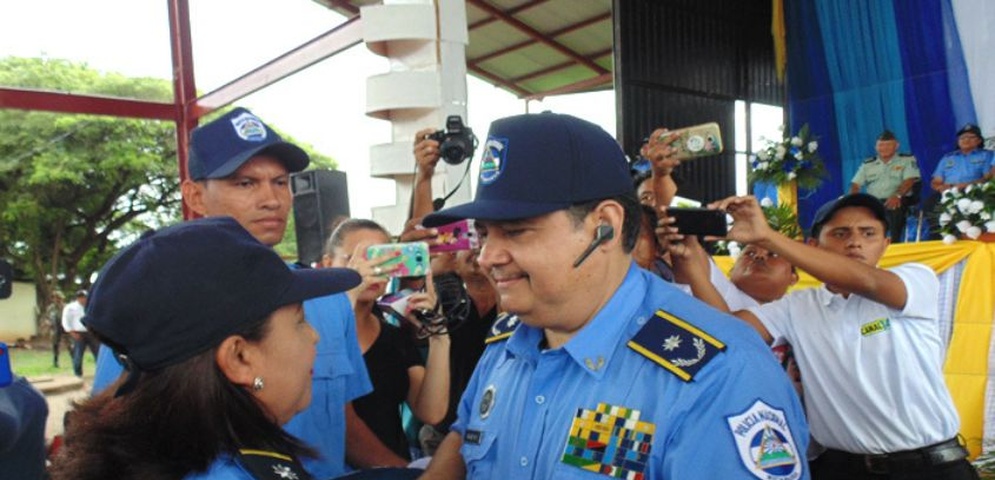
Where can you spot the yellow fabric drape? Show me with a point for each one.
(780, 44)
(787, 194)
(966, 366)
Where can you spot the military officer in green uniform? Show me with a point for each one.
(889, 176)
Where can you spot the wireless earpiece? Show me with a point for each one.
(604, 233)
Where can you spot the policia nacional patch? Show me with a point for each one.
(676, 345)
(264, 465)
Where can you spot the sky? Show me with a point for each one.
(323, 105)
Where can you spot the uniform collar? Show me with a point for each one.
(593, 346)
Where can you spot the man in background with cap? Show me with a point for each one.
(240, 167)
(867, 344)
(889, 177)
(72, 316)
(967, 165)
(602, 367)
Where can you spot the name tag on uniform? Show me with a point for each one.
(473, 437)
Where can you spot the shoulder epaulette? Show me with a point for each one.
(870, 160)
(504, 325)
(905, 154)
(676, 345)
(265, 465)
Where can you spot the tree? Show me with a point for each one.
(73, 187)
(76, 188)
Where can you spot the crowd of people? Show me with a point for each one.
(581, 334)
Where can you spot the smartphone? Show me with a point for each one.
(699, 221)
(455, 236)
(396, 303)
(697, 141)
(6, 374)
(412, 259)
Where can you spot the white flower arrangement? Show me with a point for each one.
(792, 158)
(967, 213)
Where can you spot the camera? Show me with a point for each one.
(456, 142)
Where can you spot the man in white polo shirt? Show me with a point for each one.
(867, 344)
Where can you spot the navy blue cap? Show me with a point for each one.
(969, 128)
(181, 290)
(827, 210)
(218, 148)
(535, 164)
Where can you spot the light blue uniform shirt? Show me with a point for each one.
(956, 167)
(224, 467)
(738, 415)
(339, 376)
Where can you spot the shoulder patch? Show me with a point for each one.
(870, 159)
(676, 345)
(765, 443)
(905, 154)
(265, 465)
(504, 325)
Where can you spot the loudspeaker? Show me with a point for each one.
(321, 199)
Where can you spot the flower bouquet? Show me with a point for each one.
(969, 212)
(792, 158)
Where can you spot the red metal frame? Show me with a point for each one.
(187, 109)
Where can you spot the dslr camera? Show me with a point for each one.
(456, 142)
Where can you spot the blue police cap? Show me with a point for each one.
(535, 164)
(969, 128)
(218, 148)
(181, 290)
(827, 210)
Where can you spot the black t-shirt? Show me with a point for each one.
(467, 345)
(388, 361)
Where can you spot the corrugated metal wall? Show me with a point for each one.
(685, 62)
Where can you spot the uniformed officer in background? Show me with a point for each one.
(889, 176)
(601, 369)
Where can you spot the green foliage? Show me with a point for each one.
(73, 188)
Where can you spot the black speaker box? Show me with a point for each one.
(321, 198)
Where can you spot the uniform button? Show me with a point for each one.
(540, 399)
(524, 461)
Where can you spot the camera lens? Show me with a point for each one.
(453, 150)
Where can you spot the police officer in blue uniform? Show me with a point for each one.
(967, 165)
(601, 369)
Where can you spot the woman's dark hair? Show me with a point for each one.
(630, 220)
(337, 237)
(176, 421)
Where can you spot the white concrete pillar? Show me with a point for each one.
(425, 41)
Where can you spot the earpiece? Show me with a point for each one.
(604, 233)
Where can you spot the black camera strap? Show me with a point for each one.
(438, 203)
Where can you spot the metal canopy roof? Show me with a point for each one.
(532, 48)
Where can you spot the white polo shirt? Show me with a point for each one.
(872, 376)
(72, 316)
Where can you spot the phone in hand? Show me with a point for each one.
(698, 141)
(699, 221)
(411, 258)
(396, 303)
(455, 236)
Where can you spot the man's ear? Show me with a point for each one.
(234, 359)
(193, 196)
(611, 213)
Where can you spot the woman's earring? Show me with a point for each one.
(257, 384)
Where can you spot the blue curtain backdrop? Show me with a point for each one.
(857, 67)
